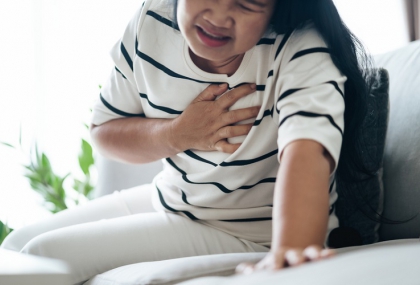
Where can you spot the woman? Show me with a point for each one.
(250, 162)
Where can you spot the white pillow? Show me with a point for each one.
(173, 271)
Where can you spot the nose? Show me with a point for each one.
(219, 15)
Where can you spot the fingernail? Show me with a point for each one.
(312, 254)
(327, 253)
(248, 270)
(293, 260)
(253, 86)
(223, 85)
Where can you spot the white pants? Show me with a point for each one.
(120, 229)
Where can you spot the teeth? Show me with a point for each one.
(213, 36)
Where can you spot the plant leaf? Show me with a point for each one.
(8, 145)
(4, 231)
(45, 162)
(86, 157)
(20, 135)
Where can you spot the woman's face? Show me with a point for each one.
(219, 30)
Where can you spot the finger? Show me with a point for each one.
(226, 147)
(294, 257)
(244, 268)
(211, 92)
(271, 262)
(325, 253)
(230, 97)
(235, 116)
(312, 252)
(234, 131)
(279, 262)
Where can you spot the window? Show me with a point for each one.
(54, 55)
(381, 25)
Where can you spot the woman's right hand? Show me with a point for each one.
(207, 123)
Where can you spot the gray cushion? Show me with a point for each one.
(173, 271)
(402, 150)
(359, 201)
(386, 265)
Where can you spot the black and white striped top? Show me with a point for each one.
(298, 86)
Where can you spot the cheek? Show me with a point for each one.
(185, 15)
(181, 12)
(182, 18)
(252, 32)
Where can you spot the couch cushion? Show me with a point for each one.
(361, 197)
(173, 271)
(391, 263)
(402, 150)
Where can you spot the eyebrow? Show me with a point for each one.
(256, 3)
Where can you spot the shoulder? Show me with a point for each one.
(307, 36)
(152, 13)
(156, 16)
(161, 10)
(300, 41)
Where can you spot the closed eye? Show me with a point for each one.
(251, 5)
(246, 8)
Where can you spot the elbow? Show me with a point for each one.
(94, 130)
(98, 139)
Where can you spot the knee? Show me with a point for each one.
(16, 240)
(45, 245)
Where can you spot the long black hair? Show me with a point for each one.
(351, 58)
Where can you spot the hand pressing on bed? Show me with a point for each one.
(286, 257)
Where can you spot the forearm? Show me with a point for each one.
(301, 199)
(134, 140)
(205, 125)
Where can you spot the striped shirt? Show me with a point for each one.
(300, 92)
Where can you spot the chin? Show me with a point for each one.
(212, 55)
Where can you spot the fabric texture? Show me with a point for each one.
(119, 204)
(121, 229)
(168, 272)
(387, 264)
(402, 150)
(300, 92)
(363, 197)
(173, 271)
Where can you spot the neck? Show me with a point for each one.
(228, 66)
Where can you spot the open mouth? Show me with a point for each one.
(211, 40)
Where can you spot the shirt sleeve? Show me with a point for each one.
(119, 97)
(309, 94)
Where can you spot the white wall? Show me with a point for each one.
(380, 24)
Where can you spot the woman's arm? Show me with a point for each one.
(134, 140)
(301, 198)
(204, 125)
(301, 207)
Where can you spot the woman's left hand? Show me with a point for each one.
(285, 257)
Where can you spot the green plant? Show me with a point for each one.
(51, 186)
(4, 231)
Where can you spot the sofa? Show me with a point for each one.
(394, 258)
